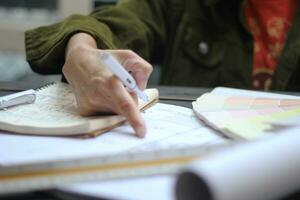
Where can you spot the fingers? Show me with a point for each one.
(140, 69)
(111, 96)
(126, 105)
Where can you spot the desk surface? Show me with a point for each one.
(182, 96)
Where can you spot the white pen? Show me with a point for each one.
(115, 67)
(25, 97)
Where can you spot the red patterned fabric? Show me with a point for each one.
(269, 22)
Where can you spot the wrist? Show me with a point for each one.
(80, 41)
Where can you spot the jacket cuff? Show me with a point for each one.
(45, 46)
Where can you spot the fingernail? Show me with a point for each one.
(141, 131)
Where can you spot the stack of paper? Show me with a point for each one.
(34, 162)
(244, 114)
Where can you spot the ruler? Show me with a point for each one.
(51, 174)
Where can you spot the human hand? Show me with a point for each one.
(96, 88)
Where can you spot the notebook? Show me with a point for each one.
(55, 113)
(244, 114)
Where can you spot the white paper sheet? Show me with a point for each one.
(143, 188)
(168, 127)
(262, 170)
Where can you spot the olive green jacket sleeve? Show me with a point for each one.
(131, 24)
